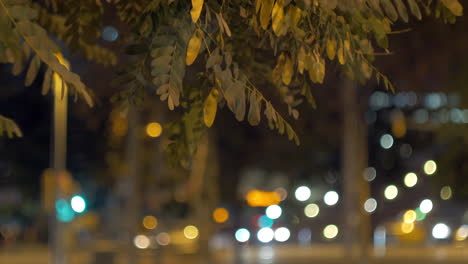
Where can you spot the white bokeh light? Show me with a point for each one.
(141, 241)
(265, 235)
(273, 211)
(411, 179)
(331, 198)
(386, 141)
(370, 205)
(430, 167)
(441, 231)
(391, 192)
(426, 206)
(78, 204)
(242, 235)
(330, 231)
(311, 210)
(282, 234)
(302, 193)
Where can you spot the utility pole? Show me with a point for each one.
(356, 189)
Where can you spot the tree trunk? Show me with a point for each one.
(356, 189)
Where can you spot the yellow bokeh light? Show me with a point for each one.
(407, 228)
(150, 222)
(446, 193)
(154, 129)
(430, 167)
(311, 210)
(330, 231)
(409, 216)
(410, 179)
(191, 232)
(462, 233)
(220, 215)
(257, 198)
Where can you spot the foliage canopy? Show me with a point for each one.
(229, 47)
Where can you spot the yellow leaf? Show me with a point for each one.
(197, 6)
(194, 46)
(347, 45)
(210, 107)
(294, 14)
(366, 70)
(287, 73)
(277, 17)
(331, 49)
(301, 60)
(265, 13)
(454, 6)
(341, 57)
(258, 4)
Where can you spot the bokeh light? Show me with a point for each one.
(273, 211)
(391, 192)
(441, 231)
(304, 236)
(330, 231)
(407, 228)
(311, 210)
(265, 235)
(419, 215)
(153, 129)
(110, 33)
(78, 204)
(282, 234)
(410, 179)
(257, 198)
(242, 235)
(220, 215)
(141, 241)
(446, 193)
(370, 205)
(265, 221)
(191, 232)
(409, 216)
(331, 198)
(462, 233)
(386, 141)
(64, 211)
(283, 194)
(302, 193)
(369, 174)
(163, 239)
(150, 222)
(426, 206)
(430, 167)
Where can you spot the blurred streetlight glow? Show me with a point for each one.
(430, 167)
(273, 211)
(191, 232)
(257, 198)
(242, 235)
(370, 205)
(446, 193)
(331, 198)
(410, 179)
(369, 174)
(441, 231)
(311, 210)
(150, 222)
(282, 234)
(141, 241)
(330, 231)
(426, 206)
(220, 215)
(265, 235)
(391, 192)
(154, 129)
(302, 193)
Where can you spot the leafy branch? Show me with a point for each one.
(9, 126)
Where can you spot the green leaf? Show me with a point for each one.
(414, 8)
(32, 70)
(454, 6)
(9, 126)
(254, 110)
(401, 10)
(389, 9)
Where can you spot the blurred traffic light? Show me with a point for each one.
(64, 211)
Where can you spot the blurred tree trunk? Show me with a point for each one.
(356, 189)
